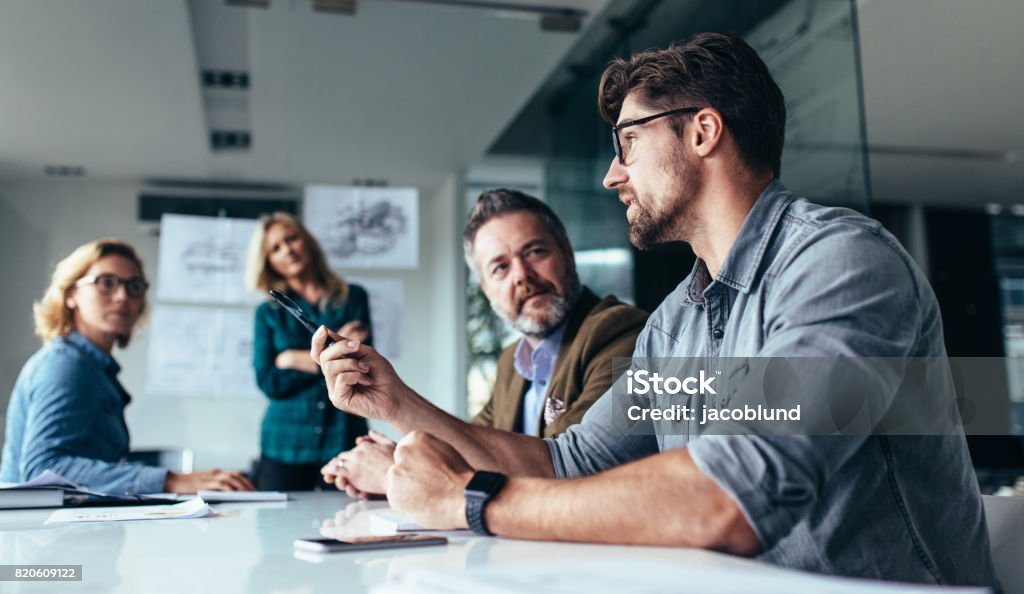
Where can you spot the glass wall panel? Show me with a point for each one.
(810, 47)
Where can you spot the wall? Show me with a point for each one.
(42, 220)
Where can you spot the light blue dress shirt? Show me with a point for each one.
(66, 414)
(537, 365)
(803, 280)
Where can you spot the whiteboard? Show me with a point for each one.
(203, 259)
(386, 304)
(364, 227)
(201, 352)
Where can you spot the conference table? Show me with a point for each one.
(248, 547)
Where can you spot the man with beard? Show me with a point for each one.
(519, 251)
(698, 132)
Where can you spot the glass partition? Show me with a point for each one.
(810, 47)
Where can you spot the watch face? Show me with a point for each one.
(484, 482)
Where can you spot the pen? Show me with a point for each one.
(294, 309)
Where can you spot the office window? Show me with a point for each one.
(1008, 251)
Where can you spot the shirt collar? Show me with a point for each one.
(86, 346)
(524, 355)
(744, 258)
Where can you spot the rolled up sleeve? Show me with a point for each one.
(773, 480)
(595, 445)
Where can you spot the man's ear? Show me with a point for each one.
(708, 129)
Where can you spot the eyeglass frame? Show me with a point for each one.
(93, 279)
(617, 144)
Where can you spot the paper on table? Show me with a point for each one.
(231, 496)
(194, 508)
(643, 576)
(386, 521)
(228, 496)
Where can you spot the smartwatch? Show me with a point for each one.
(481, 488)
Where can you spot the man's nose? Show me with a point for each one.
(522, 272)
(616, 175)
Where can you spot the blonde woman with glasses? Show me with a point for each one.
(66, 413)
(301, 430)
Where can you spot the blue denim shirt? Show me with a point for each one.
(803, 280)
(66, 414)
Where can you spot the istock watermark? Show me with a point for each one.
(809, 396)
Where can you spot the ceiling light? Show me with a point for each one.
(249, 3)
(64, 170)
(563, 23)
(337, 6)
(552, 18)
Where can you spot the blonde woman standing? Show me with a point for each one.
(301, 430)
(66, 413)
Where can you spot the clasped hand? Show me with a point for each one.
(362, 471)
(427, 482)
(424, 477)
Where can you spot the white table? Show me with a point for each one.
(248, 548)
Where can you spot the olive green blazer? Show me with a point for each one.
(598, 331)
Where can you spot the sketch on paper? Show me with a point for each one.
(209, 257)
(386, 305)
(364, 227)
(201, 352)
(202, 259)
(373, 229)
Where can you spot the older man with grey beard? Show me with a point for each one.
(520, 253)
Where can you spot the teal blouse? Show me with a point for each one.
(301, 425)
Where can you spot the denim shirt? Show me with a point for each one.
(66, 414)
(803, 280)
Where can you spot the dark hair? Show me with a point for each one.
(717, 70)
(502, 201)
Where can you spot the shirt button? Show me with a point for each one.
(318, 430)
(321, 405)
(717, 333)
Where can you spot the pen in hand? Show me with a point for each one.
(293, 308)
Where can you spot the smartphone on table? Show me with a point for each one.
(367, 543)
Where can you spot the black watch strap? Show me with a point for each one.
(475, 515)
(481, 489)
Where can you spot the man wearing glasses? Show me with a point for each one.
(698, 133)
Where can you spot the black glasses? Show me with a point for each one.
(619, 151)
(107, 283)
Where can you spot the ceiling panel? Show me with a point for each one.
(109, 85)
(945, 75)
(402, 91)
